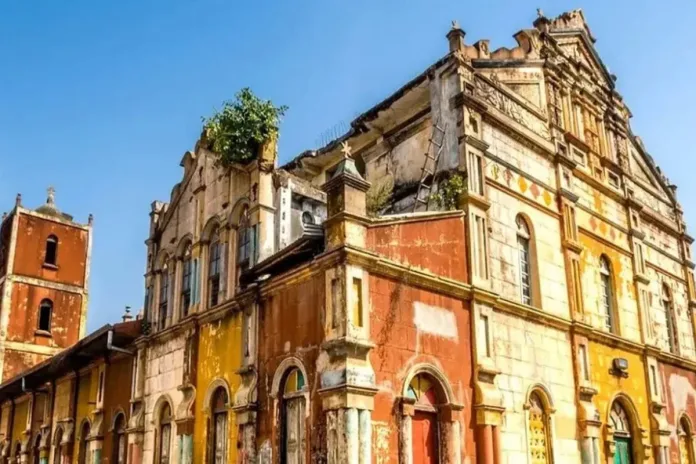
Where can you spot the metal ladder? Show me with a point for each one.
(437, 139)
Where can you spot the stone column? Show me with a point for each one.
(350, 435)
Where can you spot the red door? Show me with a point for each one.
(424, 438)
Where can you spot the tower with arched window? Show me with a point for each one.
(44, 261)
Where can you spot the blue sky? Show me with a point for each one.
(102, 98)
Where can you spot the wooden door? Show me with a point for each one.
(294, 431)
(623, 451)
(425, 440)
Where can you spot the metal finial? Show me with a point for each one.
(540, 13)
(18, 200)
(455, 24)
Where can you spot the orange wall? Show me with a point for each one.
(30, 251)
(24, 313)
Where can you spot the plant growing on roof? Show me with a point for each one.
(240, 127)
(378, 195)
(448, 191)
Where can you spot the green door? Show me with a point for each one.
(623, 450)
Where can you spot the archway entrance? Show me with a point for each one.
(686, 451)
(424, 425)
(622, 434)
(293, 418)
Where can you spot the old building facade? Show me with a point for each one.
(541, 312)
(44, 266)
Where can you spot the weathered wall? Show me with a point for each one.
(291, 323)
(436, 245)
(609, 385)
(19, 361)
(19, 421)
(86, 400)
(531, 355)
(163, 375)
(117, 394)
(411, 326)
(624, 288)
(24, 316)
(30, 251)
(679, 390)
(219, 357)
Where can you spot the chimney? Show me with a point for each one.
(456, 38)
(127, 316)
(345, 204)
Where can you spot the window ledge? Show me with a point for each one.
(43, 333)
(50, 266)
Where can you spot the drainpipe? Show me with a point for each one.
(111, 347)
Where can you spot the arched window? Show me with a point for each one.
(165, 433)
(423, 389)
(219, 436)
(539, 427)
(669, 319)
(293, 418)
(607, 294)
(686, 447)
(622, 434)
(45, 314)
(163, 313)
(57, 447)
(83, 456)
(524, 238)
(51, 257)
(119, 440)
(186, 281)
(244, 238)
(215, 250)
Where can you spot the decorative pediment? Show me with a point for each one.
(646, 172)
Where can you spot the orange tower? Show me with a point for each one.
(44, 267)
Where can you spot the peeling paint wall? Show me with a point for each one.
(291, 323)
(402, 344)
(679, 387)
(609, 385)
(31, 251)
(219, 357)
(437, 245)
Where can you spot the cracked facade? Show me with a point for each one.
(549, 319)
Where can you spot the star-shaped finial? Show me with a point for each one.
(51, 195)
(346, 149)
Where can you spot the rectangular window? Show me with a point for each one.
(480, 252)
(584, 364)
(640, 260)
(475, 174)
(653, 380)
(163, 298)
(214, 273)
(579, 157)
(591, 127)
(335, 302)
(577, 285)
(486, 336)
(186, 278)
(525, 270)
(357, 302)
(613, 179)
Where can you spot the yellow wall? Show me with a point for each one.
(609, 386)
(85, 404)
(219, 356)
(19, 422)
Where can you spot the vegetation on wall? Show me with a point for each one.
(447, 195)
(378, 196)
(240, 127)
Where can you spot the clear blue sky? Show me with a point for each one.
(102, 98)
